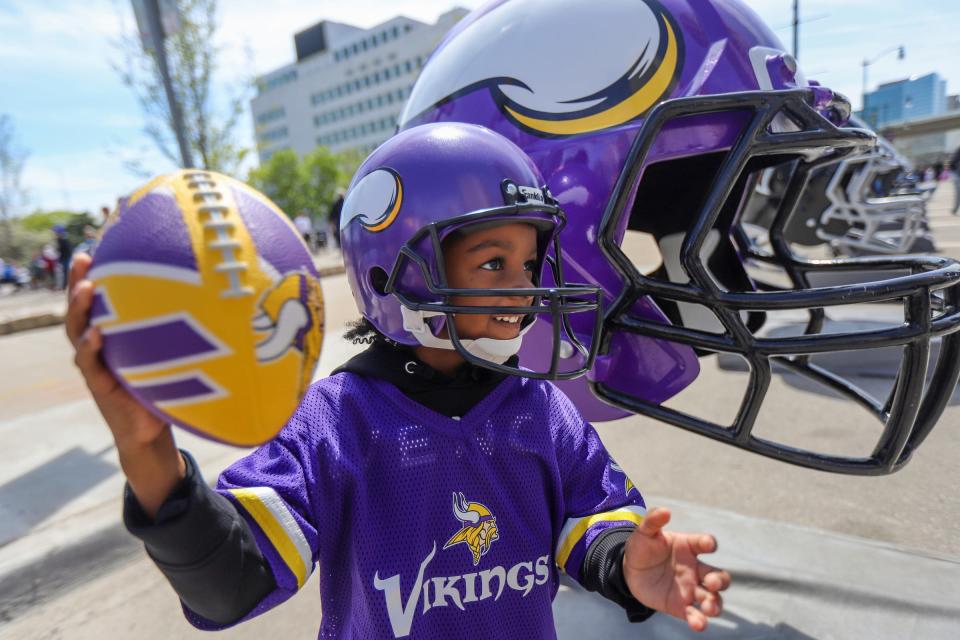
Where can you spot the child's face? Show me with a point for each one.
(501, 257)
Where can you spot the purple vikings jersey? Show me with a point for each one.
(426, 526)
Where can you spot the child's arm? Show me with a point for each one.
(145, 445)
(205, 548)
(662, 570)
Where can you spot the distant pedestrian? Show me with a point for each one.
(13, 273)
(955, 169)
(334, 216)
(305, 226)
(64, 255)
(89, 243)
(48, 266)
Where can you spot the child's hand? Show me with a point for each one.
(145, 444)
(663, 572)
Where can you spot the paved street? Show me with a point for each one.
(885, 546)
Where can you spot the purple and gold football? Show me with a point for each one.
(209, 304)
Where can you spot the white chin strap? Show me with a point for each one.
(490, 349)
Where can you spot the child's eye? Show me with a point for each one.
(530, 265)
(492, 265)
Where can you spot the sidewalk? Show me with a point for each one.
(60, 521)
(25, 310)
(68, 568)
(790, 583)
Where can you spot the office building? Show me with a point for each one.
(347, 86)
(905, 100)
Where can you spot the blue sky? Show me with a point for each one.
(79, 124)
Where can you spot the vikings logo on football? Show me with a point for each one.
(209, 304)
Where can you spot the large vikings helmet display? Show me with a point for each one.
(427, 184)
(657, 116)
(209, 304)
(859, 205)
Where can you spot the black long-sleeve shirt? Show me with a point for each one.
(209, 555)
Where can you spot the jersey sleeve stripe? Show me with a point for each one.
(575, 528)
(271, 514)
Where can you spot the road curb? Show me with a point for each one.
(30, 322)
(49, 319)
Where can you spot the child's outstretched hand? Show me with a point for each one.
(662, 571)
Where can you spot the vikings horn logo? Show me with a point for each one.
(479, 527)
(596, 66)
(375, 200)
(289, 312)
(628, 483)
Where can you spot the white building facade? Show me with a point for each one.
(348, 86)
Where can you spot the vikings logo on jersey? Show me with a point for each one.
(558, 92)
(209, 305)
(627, 482)
(479, 527)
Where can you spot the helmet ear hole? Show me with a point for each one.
(378, 280)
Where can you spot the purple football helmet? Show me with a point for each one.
(427, 183)
(658, 116)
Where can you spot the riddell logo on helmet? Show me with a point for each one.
(531, 194)
(478, 532)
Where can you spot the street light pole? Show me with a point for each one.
(796, 29)
(901, 54)
(151, 12)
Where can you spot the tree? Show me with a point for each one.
(192, 61)
(283, 180)
(309, 184)
(12, 195)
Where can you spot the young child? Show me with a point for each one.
(440, 487)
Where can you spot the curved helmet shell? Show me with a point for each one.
(657, 116)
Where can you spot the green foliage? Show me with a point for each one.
(29, 233)
(210, 120)
(12, 194)
(43, 221)
(307, 184)
(24, 243)
(283, 180)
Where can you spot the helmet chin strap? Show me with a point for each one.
(490, 349)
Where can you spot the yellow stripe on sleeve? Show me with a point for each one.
(575, 528)
(271, 514)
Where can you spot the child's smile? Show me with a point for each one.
(501, 257)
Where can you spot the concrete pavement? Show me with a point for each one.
(67, 569)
